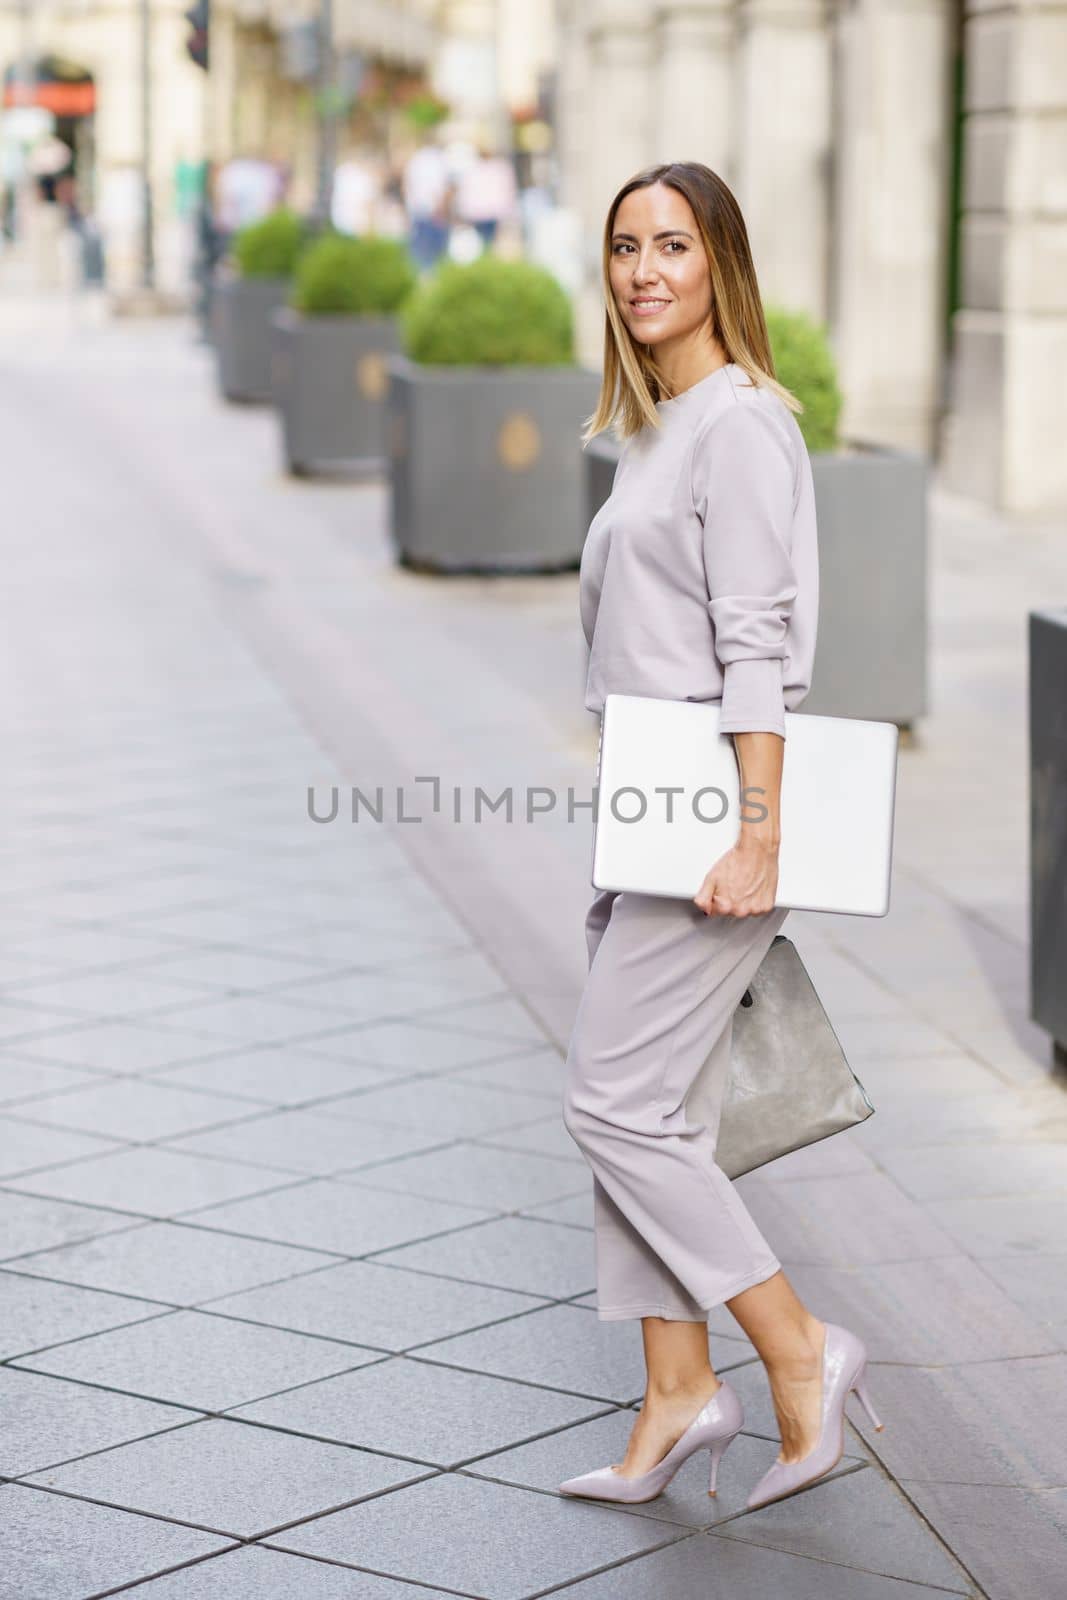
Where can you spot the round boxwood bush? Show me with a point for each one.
(489, 312)
(269, 248)
(804, 364)
(339, 275)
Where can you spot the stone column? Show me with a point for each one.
(693, 116)
(618, 117)
(890, 224)
(1004, 437)
(784, 124)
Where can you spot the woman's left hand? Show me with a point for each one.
(742, 883)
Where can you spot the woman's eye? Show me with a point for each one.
(670, 243)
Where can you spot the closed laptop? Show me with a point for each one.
(669, 804)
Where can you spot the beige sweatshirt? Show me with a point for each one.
(700, 576)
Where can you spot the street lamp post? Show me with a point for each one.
(327, 105)
(148, 257)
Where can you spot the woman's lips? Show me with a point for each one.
(649, 308)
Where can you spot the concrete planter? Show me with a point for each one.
(241, 313)
(871, 657)
(329, 383)
(1048, 825)
(485, 465)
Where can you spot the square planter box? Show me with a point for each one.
(486, 466)
(329, 382)
(241, 312)
(871, 653)
(1048, 825)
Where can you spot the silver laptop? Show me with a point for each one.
(668, 804)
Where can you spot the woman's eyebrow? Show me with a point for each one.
(665, 233)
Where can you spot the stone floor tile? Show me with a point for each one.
(230, 970)
(1005, 1224)
(546, 1137)
(122, 1046)
(538, 1071)
(576, 1211)
(254, 1572)
(512, 1253)
(22, 1022)
(837, 1157)
(406, 1047)
(136, 1110)
(56, 1548)
(964, 1316)
(503, 1180)
(379, 1306)
(206, 1362)
(314, 1142)
(860, 1520)
(122, 992)
(478, 1538)
(48, 1420)
(979, 1422)
(500, 1017)
(340, 1217)
(1012, 1540)
(22, 1082)
(168, 1262)
(229, 1477)
(561, 1347)
(444, 1107)
(985, 1116)
(872, 1038)
(37, 1314)
(726, 1569)
(428, 1413)
(382, 992)
(274, 1077)
(303, 1013)
(841, 1221)
(984, 1167)
(30, 1147)
(152, 1181)
(28, 1222)
(1037, 1285)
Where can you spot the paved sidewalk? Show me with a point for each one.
(297, 1268)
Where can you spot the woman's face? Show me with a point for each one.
(659, 273)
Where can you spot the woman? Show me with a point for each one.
(699, 581)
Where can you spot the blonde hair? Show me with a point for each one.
(631, 386)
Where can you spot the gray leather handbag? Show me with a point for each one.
(790, 1084)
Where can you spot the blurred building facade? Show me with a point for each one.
(902, 167)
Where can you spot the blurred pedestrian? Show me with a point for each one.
(427, 198)
(487, 194)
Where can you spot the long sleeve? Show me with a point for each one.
(743, 483)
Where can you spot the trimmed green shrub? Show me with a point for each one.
(269, 248)
(339, 275)
(489, 312)
(804, 364)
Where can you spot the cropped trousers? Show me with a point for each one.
(647, 1067)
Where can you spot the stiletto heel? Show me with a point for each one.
(844, 1367)
(859, 1388)
(715, 1427)
(717, 1453)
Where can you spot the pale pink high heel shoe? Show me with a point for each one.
(844, 1370)
(715, 1426)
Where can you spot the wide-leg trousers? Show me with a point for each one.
(647, 1067)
